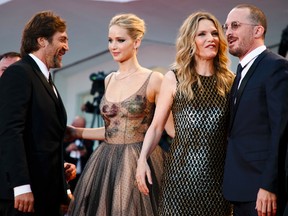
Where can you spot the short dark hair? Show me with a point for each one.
(43, 24)
(257, 16)
(10, 55)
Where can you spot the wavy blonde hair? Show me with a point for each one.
(185, 64)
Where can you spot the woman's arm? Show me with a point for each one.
(156, 86)
(93, 133)
(154, 133)
(73, 133)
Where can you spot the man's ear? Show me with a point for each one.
(42, 41)
(259, 31)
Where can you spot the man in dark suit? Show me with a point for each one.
(33, 123)
(254, 176)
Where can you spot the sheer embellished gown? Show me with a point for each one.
(194, 167)
(107, 184)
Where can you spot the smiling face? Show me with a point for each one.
(206, 40)
(121, 46)
(242, 39)
(54, 50)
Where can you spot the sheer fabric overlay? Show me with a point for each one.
(107, 184)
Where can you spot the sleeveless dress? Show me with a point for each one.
(194, 166)
(107, 185)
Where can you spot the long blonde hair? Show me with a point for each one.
(185, 64)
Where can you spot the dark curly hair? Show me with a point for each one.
(43, 24)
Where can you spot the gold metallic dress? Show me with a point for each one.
(194, 167)
(107, 185)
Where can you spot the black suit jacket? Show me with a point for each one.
(32, 126)
(258, 133)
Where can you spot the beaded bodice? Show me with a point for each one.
(194, 167)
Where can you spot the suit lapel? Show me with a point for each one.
(62, 107)
(42, 78)
(243, 85)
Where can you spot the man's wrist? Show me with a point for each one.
(22, 190)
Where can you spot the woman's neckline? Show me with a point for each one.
(206, 75)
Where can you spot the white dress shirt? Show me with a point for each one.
(248, 60)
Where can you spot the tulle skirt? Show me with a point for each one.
(107, 184)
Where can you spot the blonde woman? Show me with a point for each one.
(196, 90)
(107, 184)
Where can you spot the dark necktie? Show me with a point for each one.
(52, 84)
(233, 93)
(236, 82)
(50, 80)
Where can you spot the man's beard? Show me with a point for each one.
(238, 52)
(56, 62)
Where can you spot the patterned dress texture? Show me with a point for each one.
(194, 167)
(107, 184)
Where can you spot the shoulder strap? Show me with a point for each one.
(175, 72)
(109, 80)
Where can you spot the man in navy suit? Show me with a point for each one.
(33, 123)
(254, 176)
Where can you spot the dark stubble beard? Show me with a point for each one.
(56, 63)
(238, 52)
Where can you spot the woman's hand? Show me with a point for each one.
(142, 171)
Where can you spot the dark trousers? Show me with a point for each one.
(286, 210)
(7, 209)
(244, 209)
